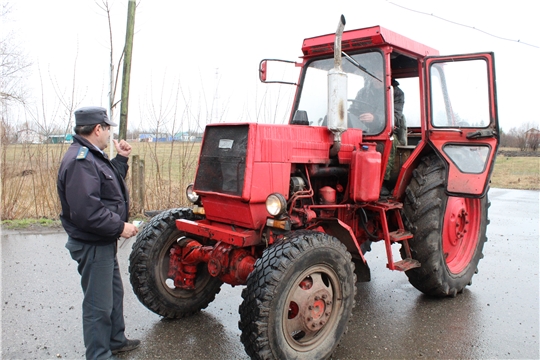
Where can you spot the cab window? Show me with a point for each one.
(459, 94)
(364, 87)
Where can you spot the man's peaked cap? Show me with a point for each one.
(92, 115)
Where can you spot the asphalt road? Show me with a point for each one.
(495, 318)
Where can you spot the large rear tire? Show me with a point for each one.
(298, 299)
(149, 264)
(449, 232)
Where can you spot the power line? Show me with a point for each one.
(467, 26)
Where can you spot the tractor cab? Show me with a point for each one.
(449, 103)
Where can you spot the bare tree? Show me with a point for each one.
(113, 74)
(13, 65)
(113, 77)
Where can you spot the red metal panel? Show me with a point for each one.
(350, 140)
(219, 232)
(270, 178)
(234, 211)
(460, 182)
(302, 144)
(296, 144)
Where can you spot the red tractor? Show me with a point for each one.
(290, 211)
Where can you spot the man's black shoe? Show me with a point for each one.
(128, 346)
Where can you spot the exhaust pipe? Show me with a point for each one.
(337, 94)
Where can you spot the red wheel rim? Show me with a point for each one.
(460, 232)
(314, 305)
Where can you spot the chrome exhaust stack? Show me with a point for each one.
(337, 94)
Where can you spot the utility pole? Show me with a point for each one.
(111, 104)
(128, 48)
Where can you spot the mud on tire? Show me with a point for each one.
(298, 299)
(149, 264)
(449, 232)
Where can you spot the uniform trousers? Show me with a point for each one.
(102, 307)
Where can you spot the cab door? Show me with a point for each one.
(462, 121)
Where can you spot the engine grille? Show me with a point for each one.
(222, 163)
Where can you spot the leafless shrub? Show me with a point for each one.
(525, 137)
(29, 181)
(533, 138)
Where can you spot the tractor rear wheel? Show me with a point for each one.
(149, 265)
(449, 232)
(298, 299)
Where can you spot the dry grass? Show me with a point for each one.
(169, 168)
(29, 180)
(516, 173)
(28, 174)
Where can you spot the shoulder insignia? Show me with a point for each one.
(83, 151)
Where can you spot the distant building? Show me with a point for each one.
(532, 132)
(59, 139)
(154, 137)
(185, 136)
(532, 138)
(145, 137)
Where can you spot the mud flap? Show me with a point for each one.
(362, 270)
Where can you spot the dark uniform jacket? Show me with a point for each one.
(368, 100)
(93, 194)
(371, 100)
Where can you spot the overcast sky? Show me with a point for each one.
(201, 46)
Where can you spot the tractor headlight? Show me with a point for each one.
(191, 195)
(276, 205)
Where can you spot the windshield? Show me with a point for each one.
(365, 91)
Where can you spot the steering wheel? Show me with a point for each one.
(360, 102)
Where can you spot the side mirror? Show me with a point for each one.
(278, 71)
(262, 70)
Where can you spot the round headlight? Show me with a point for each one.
(276, 205)
(191, 195)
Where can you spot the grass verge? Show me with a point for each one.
(30, 223)
(521, 173)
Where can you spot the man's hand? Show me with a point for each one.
(366, 117)
(129, 231)
(122, 147)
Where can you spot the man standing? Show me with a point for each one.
(95, 205)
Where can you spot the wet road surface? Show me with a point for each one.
(495, 318)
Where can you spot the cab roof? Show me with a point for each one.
(365, 38)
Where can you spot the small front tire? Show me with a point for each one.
(298, 299)
(149, 264)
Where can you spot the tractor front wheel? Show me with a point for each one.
(149, 265)
(449, 232)
(298, 299)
